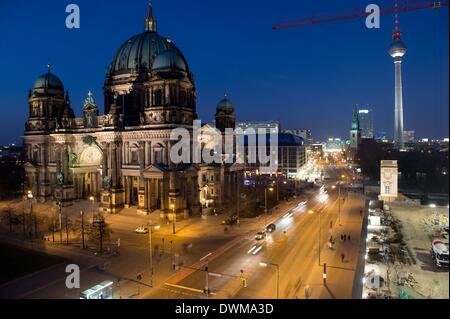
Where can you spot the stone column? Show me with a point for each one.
(105, 150)
(142, 202)
(113, 154)
(147, 149)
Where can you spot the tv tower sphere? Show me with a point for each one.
(397, 49)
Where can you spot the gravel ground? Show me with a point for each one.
(417, 230)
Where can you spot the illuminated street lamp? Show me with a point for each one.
(30, 199)
(266, 264)
(60, 220)
(265, 202)
(150, 234)
(82, 228)
(92, 200)
(320, 232)
(172, 206)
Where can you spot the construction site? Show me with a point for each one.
(406, 251)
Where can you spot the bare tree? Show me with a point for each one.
(8, 217)
(98, 232)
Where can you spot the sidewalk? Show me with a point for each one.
(340, 274)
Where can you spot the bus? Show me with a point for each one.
(101, 291)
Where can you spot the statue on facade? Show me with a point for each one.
(107, 182)
(60, 178)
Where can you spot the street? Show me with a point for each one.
(233, 258)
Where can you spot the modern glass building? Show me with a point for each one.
(365, 117)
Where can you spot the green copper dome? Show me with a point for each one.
(139, 53)
(48, 81)
(225, 105)
(170, 59)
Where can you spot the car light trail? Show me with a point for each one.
(206, 256)
(257, 250)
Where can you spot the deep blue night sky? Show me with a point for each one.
(310, 77)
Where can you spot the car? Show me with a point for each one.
(141, 230)
(230, 221)
(260, 235)
(270, 228)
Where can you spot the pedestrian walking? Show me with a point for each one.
(345, 238)
(342, 257)
(348, 236)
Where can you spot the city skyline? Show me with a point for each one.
(294, 82)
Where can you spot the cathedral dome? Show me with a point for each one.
(225, 105)
(170, 59)
(48, 81)
(139, 52)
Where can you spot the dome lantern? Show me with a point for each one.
(150, 22)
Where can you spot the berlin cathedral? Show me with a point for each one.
(121, 158)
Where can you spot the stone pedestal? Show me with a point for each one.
(112, 201)
(64, 194)
(142, 207)
(45, 192)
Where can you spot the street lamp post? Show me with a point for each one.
(92, 200)
(278, 193)
(53, 226)
(60, 222)
(30, 199)
(339, 200)
(339, 204)
(320, 232)
(150, 233)
(265, 203)
(172, 206)
(265, 264)
(238, 199)
(82, 227)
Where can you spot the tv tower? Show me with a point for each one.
(397, 51)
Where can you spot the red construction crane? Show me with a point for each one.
(398, 7)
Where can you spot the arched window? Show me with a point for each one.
(35, 153)
(134, 152)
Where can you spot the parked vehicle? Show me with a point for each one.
(439, 252)
(230, 221)
(141, 230)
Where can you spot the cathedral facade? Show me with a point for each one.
(122, 158)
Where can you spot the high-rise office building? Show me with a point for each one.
(303, 133)
(267, 126)
(408, 136)
(365, 117)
